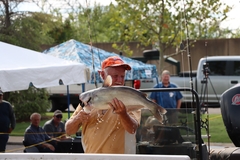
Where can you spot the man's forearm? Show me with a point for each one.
(129, 123)
(179, 104)
(72, 125)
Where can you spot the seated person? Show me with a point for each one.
(36, 136)
(55, 127)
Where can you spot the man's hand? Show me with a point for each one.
(129, 123)
(118, 106)
(48, 145)
(10, 130)
(83, 116)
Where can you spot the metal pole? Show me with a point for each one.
(68, 99)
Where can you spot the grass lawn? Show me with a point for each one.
(217, 129)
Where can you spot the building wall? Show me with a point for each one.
(199, 49)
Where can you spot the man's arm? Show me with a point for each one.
(76, 120)
(12, 119)
(48, 129)
(129, 123)
(63, 133)
(29, 137)
(179, 97)
(179, 104)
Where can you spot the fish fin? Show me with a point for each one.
(145, 94)
(133, 107)
(162, 110)
(108, 81)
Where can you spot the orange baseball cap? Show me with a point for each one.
(114, 61)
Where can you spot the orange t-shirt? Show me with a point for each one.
(105, 134)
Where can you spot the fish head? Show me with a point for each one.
(86, 98)
(90, 97)
(96, 98)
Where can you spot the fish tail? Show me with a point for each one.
(158, 112)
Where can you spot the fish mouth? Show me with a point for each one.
(84, 103)
(89, 100)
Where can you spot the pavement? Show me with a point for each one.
(15, 140)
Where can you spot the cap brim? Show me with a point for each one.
(127, 67)
(57, 114)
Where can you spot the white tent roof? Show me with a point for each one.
(19, 67)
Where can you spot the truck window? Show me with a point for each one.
(236, 68)
(217, 68)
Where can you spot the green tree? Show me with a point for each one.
(164, 23)
(29, 101)
(93, 24)
(23, 28)
(62, 32)
(29, 31)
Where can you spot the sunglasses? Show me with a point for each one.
(59, 116)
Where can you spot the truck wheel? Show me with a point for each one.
(75, 105)
(63, 107)
(55, 106)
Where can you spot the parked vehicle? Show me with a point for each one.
(213, 76)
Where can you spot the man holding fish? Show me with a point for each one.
(111, 113)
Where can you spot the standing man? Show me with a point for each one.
(55, 126)
(7, 122)
(107, 131)
(168, 100)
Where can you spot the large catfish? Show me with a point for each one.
(132, 98)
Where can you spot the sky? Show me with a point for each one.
(233, 21)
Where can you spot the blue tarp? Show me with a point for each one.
(83, 53)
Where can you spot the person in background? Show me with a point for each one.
(7, 122)
(55, 127)
(107, 131)
(35, 135)
(168, 100)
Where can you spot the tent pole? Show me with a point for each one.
(68, 98)
(83, 87)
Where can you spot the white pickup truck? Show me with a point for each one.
(213, 76)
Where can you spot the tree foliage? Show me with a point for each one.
(29, 101)
(23, 28)
(29, 31)
(167, 23)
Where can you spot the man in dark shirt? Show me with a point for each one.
(55, 126)
(35, 135)
(7, 122)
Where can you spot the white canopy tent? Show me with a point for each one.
(20, 67)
